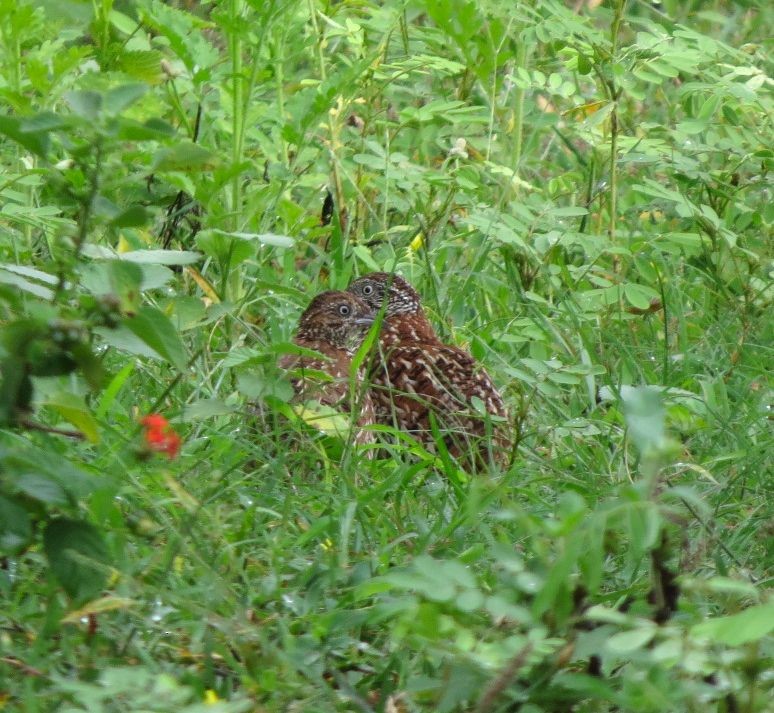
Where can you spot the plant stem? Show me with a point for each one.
(518, 108)
(279, 76)
(333, 129)
(237, 118)
(84, 219)
(614, 94)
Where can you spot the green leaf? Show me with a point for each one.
(278, 241)
(74, 410)
(144, 65)
(625, 642)
(749, 625)
(162, 257)
(151, 130)
(228, 250)
(111, 390)
(15, 389)
(124, 280)
(41, 488)
(120, 98)
(15, 527)
(125, 340)
(123, 23)
(207, 408)
(132, 217)
(570, 211)
(78, 557)
(638, 295)
(85, 104)
(35, 142)
(9, 277)
(185, 156)
(709, 108)
(324, 418)
(30, 272)
(644, 411)
(46, 476)
(155, 329)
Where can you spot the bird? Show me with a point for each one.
(417, 378)
(333, 325)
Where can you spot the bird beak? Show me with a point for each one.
(365, 321)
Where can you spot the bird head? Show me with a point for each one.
(339, 318)
(377, 288)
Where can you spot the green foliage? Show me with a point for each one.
(582, 194)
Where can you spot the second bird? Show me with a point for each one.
(416, 375)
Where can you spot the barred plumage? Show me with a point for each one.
(416, 375)
(334, 325)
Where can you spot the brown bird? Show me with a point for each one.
(334, 325)
(416, 375)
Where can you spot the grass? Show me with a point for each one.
(586, 212)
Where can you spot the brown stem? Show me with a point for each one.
(35, 426)
(501, 682)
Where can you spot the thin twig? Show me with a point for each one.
(35, 426)
(501, 682)
(21, 666)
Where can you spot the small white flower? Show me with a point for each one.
(459, 149)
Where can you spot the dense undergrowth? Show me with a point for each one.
(580, 192)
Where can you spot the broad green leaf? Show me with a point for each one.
(154, 276)
(469, 600)
(85, 104)
(124, 339)
(77, 556)
(708, 109)
(644, 411)
(625, 642)
(42, 488)
(324, 418)
(245, 355)
(120, 98)
(123, 23)
(155, 329)
(184, 156)
(74, 410)
(46, 475)
(638, 295)
(15, 526)
(131, 217)
(118, 278)
(144, 65)
(151, 130)
(207, 408)
(35, 142)
(749, 625)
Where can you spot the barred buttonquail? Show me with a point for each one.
(416, 374)
(334, 325)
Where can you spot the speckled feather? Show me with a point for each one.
(416, 375)
(324, 329)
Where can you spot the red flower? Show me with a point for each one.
(160, 436)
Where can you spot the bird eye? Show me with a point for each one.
(368, 289)
(344, 310)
